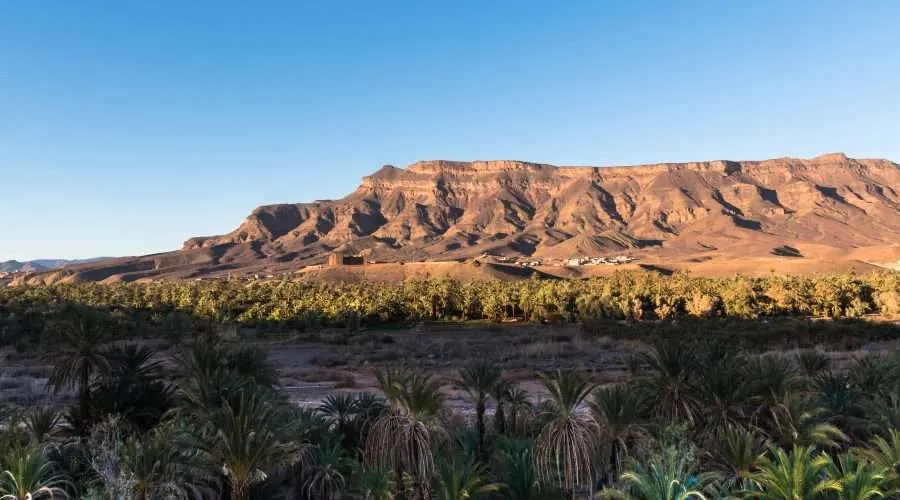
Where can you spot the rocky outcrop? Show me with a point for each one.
(443, 210)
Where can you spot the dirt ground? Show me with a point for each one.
(313, 365)
(335, 361)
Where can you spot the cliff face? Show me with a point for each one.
(443, 210)
(437, 209)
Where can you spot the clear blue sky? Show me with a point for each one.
(129, 126)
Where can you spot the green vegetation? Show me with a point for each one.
(28, 315)
(212, 422)
(695, 417)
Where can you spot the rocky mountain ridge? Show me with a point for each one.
(447, 210)
(441, 208)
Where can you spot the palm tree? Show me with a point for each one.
(32, 477)
(670, 383)
(79, 358)
(209, 356)
(854, 480)
(520, 409)
(799, 419)
(133, 362)
(161, 468)
(723, 389)
(735, 453)
(797, 475)
(479, 379)
(874, 375)
(403, 438)
(133, 387)
(670, 478)
(372, 483)
(502, 395)
(618, 413)
(566, 445)
(884, 452)
(369, 407)
(514, 466)
(201, 396)
(244, 442)
(325, 480)
(841, 401)
(772, 378)
(252, 362)
(42, 424)
(391, 381)
(882, 414)
(462, 479)
(339, 411)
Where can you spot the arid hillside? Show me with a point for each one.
(774, 213)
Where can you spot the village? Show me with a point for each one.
(571, 262)
(338, 259)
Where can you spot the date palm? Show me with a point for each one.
(208, 357)
(882, 414)
(884, 452)
(521, 410)
(842, 402)
(772, 380)
(850, 479)
(669, 477)
(564, 450)
(514, 466)
(340, 411)
(244, 442)
(32, 476)
(799, 419)
(502, 394)
(479, 379)
(735, 452)
(200, 396)
(723, 390)
(794, 475)
(618, 413)
(80, 357)
(325, 480)
(403, 438)
(462, 479)
(133, 387)
(874, 375)
(43, 425)
(670, 383)
(161, 468)
(372, 483)
(369, 407)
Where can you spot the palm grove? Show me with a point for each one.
(690, 420)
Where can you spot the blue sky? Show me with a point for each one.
(127, 127)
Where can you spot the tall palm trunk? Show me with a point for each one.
(613, 463)
(238, 491)
(398, 476)
(500, 418)
(479, 427)
(84, 399)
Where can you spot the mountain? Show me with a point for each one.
(449, 210)
(39, 265)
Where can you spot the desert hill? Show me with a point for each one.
(38, 265)
(826, 209)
